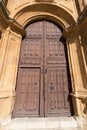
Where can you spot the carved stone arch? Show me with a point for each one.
(38, 65)
(44, 10)
(47, 17)
(12, 41)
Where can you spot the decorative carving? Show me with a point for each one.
(44, 0)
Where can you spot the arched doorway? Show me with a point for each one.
(43, 82)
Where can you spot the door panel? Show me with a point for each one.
(56, 78)
(28, 98)
(57, 95)
(42, 83)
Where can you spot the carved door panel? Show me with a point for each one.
(29, 98)
(56, 78)
(42, 83)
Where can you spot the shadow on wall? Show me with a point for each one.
(83, 62)
(85, 50)
(5, 1)
(84, 101)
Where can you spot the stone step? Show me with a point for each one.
(45, 129)
(52, 123)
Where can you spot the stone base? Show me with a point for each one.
(53, 123)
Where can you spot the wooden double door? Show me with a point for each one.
(42, 83)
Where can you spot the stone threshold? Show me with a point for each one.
(50, 123)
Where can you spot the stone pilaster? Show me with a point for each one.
(10, 48)
(76, 69)
(10, 40)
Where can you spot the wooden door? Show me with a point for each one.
(56, 73)
(42, 83)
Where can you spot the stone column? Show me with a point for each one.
(76, 64)
(75, 71)
(9, 56)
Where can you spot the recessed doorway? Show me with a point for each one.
(43, 76)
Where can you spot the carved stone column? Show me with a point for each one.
(10, 47)
(75, 58)
(77, 83)
(10, 40)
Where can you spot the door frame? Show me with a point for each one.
(41, 94)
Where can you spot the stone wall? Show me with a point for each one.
(9, 53)
(19, 14)
(14, 6)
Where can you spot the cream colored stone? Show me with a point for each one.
(11, 54)
(5, 104)
(16, 6)
(42, 123)
(25, 12)
(9, 51)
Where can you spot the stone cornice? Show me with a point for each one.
(71, 32)
(6, 21)
(79, 28)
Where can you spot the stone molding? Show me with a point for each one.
(79, 27)
(6, 21)
(15, 31)
(83, 15)
(82, 21)
(44, 0)
(3, 7)
(43, 11)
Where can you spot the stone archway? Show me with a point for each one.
(29, 12)
(34, 12)
(43, 83)
(11, 50)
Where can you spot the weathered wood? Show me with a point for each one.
(42, 83)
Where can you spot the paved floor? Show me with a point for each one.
(55, 123)
(44, 129)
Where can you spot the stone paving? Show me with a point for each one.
(55, 123)
(44, 129)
